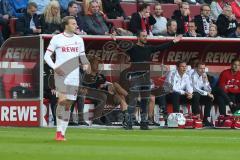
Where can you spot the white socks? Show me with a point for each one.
(62, 117)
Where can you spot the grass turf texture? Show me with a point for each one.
(118, 144)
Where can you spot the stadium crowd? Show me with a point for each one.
(217, 18)
(95, 17)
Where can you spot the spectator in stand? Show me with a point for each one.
(182, 16)
(73, 10)
(171, 28)
(181, 85)
(51, 19)
(142, 20)
(229, 88)
(213, 33)
(86, 4)
(226, 22)
(217, 8)
(5, 14)
(95, 20)
(235, 34)
(113, 9)
(236, 8)
(201, 93)
(160, 27)
(203, 21)
(18, 7)
(29, 23)
(41, 4)
(192, 28)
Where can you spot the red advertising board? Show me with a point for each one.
(212, 51)
(20, 113)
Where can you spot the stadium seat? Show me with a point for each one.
(129, 8)
(194, 10)
(168, 10)
(116, 22)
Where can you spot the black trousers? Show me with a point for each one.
(177, 99)
(139, 87)
(224, 99)
(198, 99)
(53, 101)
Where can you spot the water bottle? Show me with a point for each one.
(161, 121)
(14, 95)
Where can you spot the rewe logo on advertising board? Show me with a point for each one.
(18, 113)
(22, 53)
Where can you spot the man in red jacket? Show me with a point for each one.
(229, 88)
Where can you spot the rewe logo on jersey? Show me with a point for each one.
(18, 113)
(70, 49)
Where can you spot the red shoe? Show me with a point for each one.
(59, 137)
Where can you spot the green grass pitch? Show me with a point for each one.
(118, 144)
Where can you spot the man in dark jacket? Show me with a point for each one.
(235, 34)
(226, 22)
(182, 16)
(95, 20)
(29, 23)
(142, 20)
(203, 21)
(73, 10)
(5, 14)
(113, 9)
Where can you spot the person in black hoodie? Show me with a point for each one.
(29, 23)
(142, 20)
(113, 9)
(182, 16)
(226, 22)
(203, 21)
(235, 34)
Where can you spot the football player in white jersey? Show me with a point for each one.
(69, 49)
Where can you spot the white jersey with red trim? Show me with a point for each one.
(67, 47)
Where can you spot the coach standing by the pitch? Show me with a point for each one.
(139, 76)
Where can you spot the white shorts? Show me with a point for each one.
(68, 87)
(71, 97)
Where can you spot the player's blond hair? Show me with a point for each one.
(65, 21)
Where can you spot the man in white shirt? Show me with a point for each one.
(201, 93)
(181, 85)
(69, 49)
(160, 27)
